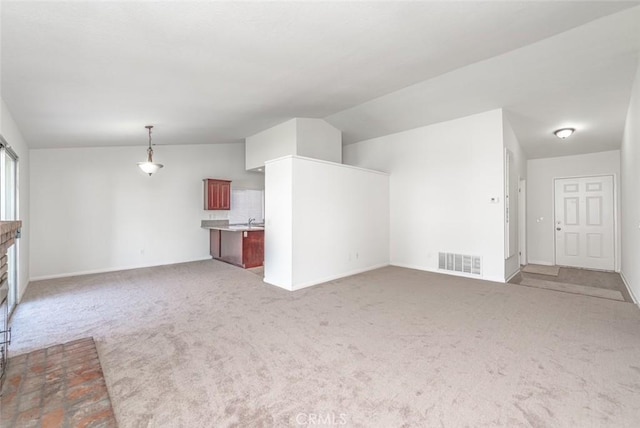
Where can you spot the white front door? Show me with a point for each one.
(584, 222)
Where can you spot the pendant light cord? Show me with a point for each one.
(149, 150)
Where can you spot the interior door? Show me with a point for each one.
(584, 220)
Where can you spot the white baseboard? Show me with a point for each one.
(629, 290)
(538, 262)
(338, 276)
(446, 272)
(23, 291)
(513, 275)
(269, 281)
(295, 287)
(111, 269)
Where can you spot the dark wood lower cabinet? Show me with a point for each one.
(240, 248)
(214, 243)
(253, 249)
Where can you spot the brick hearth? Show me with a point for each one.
(8, 231)
(60, 386)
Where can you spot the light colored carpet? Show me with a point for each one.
(573, 288)
(207, 344)
(542, 270)
(257, 271)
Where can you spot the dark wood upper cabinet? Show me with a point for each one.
(217, 194)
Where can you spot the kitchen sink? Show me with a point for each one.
(245, 227)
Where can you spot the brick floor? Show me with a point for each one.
(61, 386)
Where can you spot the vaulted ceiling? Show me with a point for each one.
(81, 74)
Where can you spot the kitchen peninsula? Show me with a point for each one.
(238, 244)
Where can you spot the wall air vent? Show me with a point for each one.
(462, 263)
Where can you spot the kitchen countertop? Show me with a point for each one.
(225, 226)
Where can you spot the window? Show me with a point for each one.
(9, 211)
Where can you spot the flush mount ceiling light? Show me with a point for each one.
(149, 166)
(564, 133)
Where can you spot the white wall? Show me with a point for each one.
(319, 140)
(12, 135)
(307, 137)
(540, 176)
(92, 209)
(442, 179)
(278, 218)
(630, 194)
(339, 221)
(518, 171)
(271, 143)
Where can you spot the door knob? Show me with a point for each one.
(558, 228)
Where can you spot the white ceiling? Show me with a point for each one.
(79, 74)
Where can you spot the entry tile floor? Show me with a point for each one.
(60, 386)
(585, 277)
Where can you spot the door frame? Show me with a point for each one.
(14, 251)
(616, 240)
(522, 220)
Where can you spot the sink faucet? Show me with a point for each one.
(251, 220)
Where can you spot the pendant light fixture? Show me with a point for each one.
(150, 166)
